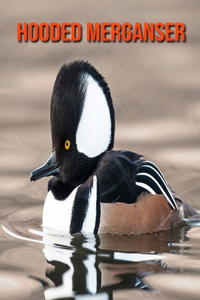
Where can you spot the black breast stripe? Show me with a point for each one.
(86, 208)
(151, 179)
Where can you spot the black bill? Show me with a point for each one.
(49, 168)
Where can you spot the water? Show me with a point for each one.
(35, 265)
(155, 89)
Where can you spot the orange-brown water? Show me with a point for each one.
(156, 93)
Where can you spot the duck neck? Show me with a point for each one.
(60, 189)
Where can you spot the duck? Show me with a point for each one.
(95, 189)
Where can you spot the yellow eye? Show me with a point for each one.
(67, 144)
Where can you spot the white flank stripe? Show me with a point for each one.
(164, 181)
(146, 174)
(94, 129)
(150, 162)
(146, 187)
(90, 218)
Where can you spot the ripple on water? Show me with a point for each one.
(178, 286)
(16, 285)
(52, 265)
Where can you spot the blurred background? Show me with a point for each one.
(155, 89)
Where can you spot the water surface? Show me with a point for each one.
(156, 94)
(35, 265)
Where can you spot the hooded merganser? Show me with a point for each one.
(95, 189)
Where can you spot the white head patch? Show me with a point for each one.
(94, 129)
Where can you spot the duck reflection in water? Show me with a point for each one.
(97, 190)
(95, 267)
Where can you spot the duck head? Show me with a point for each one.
(82, 124)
